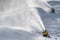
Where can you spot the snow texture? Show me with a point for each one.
(13, 25)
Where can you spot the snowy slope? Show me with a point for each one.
(11, 27)
(54, 19)
(10, 34)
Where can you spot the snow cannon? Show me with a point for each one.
(45, 33)
(53, 10)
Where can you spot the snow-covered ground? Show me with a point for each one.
(52, 22)
(12, 29)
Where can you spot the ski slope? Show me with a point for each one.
(11, 34)
(12, 25)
